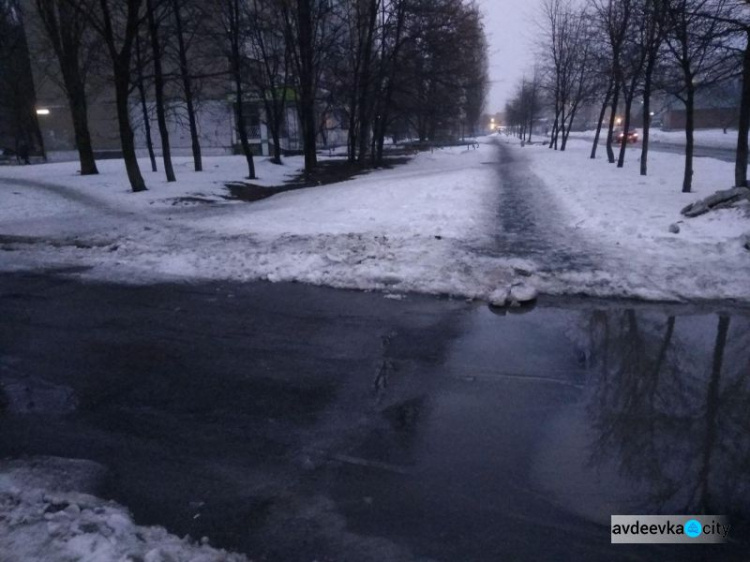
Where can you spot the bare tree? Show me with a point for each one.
(154, 15)
(305, 30)
(391, 65)
(739, 18)
(70, 38)
(234, 27)
(613, 18)
(522, 109)
(270, 75)
(694, 39)
(567, 56)
(654, 25)
(188, 89)
(743, 128)
(140, 83)
(633, 58)
(118, 23)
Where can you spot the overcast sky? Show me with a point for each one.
(509, 26)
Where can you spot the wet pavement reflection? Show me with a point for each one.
(297, 423)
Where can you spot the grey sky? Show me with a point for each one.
(510, 29)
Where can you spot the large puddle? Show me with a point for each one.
(296, 423)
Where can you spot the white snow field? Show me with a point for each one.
(46, 515)
(424, 226)
(404, 229)
(628, 217)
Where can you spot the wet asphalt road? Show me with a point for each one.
(725, 154)
(297, 423)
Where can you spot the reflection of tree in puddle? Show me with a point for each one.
(671, 414)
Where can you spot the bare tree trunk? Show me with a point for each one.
(307, 83)
(599, 123)
(365, 110)
(647, 87)
(353, 136)
(626, 125)
(241, 127)
(79, 113)
(122, 91)
(566, 131)
(276, 139)
(144, 106)
(740, 166)
(234, 26)
(553, 132)
(161, 116)
(687, 182)
(187, 86)
(612, 117)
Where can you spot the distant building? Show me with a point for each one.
(717, 107)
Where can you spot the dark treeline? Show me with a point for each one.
(379, 69)
(615, 55)
(19, 129)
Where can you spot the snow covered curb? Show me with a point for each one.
(45, 516)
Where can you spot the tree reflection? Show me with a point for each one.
(673, 414)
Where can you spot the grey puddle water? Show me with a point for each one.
(297, 423)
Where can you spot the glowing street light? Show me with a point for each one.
(42, 111)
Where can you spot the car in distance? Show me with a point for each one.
(627, 136)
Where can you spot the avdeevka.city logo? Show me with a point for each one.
(693, 528)
(665, 529)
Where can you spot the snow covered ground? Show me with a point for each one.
(403, 229)
(422, 227)
(629, 218)
(47, 514)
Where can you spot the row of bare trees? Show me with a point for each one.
(379, 67)
(617, 54)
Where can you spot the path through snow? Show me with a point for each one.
(530, 223)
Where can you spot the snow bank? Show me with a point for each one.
(44, 515)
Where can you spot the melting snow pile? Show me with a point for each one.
(44, 515)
